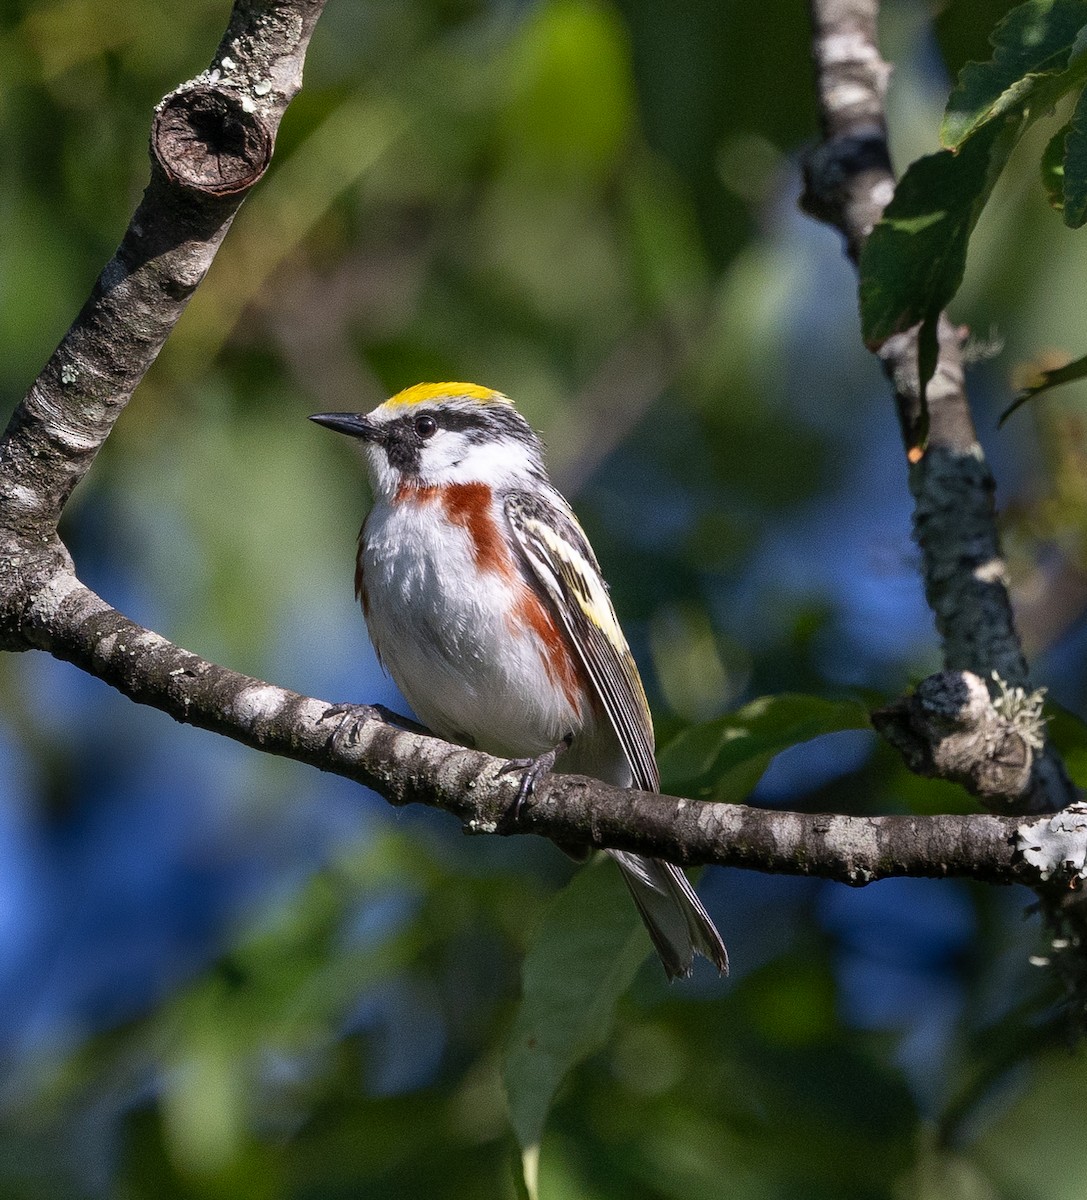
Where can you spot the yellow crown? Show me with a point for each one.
(421, 392)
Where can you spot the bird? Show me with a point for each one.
(485, 603)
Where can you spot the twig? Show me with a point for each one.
(848, 182)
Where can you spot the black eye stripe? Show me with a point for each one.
(406, 435)
(484, 425)
(478, 426)
(457, 422)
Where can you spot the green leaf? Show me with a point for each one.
(1045, 380)
(1037, 57)
(725, 758)
(1052, 168)
(582, 958)
(1064, 167)
(913, 262)
(1075, 166)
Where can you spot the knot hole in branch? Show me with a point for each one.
(205, 140)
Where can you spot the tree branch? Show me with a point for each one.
(211, 140)
(950, 726)
(408, 768)
(848, 182)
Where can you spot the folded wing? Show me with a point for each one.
(560, 559)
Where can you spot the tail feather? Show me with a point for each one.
(677, 922)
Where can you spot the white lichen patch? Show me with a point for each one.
(852, 839)
(882, 193)
(847, 47)
(19, 496)
(1022, 709)
(846, 94)
(48, 601)
(313, 710)
(147, 640)
(260, 702)
(1056, 843)
(990, 571)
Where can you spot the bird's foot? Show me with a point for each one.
(535, 770)
(351, 718)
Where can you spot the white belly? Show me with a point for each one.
(443, 629)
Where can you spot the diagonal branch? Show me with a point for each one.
(848, 182)
(211, 140)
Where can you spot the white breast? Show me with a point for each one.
(445, 629)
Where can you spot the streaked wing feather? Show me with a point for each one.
(562, 562)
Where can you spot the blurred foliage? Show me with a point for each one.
(230, 977)
(724, 759)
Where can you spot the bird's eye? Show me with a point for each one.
(426, 427)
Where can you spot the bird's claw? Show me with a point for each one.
(352, 717)
(535, 770)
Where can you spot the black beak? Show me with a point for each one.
(353, 424)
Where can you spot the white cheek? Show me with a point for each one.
(441, 455)
(385, 478)
(456, 460)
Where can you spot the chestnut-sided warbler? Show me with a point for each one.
(485, 603)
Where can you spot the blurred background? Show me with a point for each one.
(225, 975)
